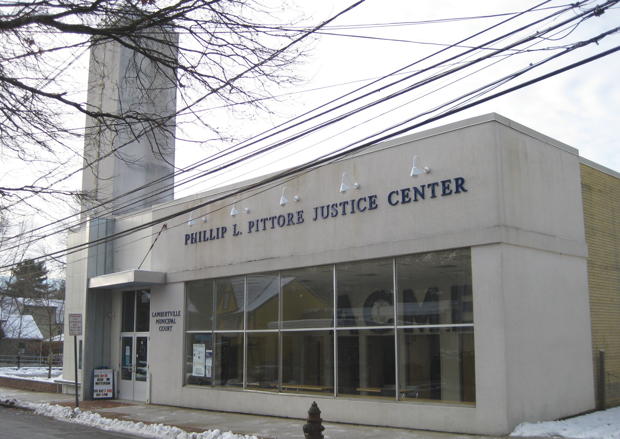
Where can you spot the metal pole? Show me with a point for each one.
(75, 363)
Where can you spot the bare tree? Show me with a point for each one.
(218, 53)
(221, 53)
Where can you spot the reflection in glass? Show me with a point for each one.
(437, 365)
(433, 312)
(199, 358)
(141, 358)
(365, 293)
(143, 307)
(199, 307)
(128, 311)
(308, 361)
(126, 358)
(262, 308)
(366, 363)
(229, 303)
(228, 360)
(308, 297)
(262, 372)
(434, 288)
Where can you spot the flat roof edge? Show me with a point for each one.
(599, 167)
(414, 136)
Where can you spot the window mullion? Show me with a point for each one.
(334, 324)
(395, 309)
(245, 336)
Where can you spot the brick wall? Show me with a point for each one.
(35, 386)
(601, 205)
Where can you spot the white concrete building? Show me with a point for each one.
(446, 292)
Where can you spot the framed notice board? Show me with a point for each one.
(103, 384)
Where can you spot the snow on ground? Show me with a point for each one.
(597, 425)
(156, 431)
(31, 373)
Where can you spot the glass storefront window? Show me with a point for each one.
(365, 293)
(262, 367)
(434, 288)
(262, 307)
(199, 359)
(308, 297)
(241, 334)
(436, 364)
(199, 306)
(228, 360)
(308, 361)
(366, 363)
(229, 303)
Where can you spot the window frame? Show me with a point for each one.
(397, 328)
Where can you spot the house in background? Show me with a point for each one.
(31, 326)
(19, 334)
(47, 313)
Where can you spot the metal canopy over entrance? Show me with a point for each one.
(128, 279)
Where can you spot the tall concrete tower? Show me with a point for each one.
(132, 149)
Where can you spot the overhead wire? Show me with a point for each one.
(295, 41)
(326, 159)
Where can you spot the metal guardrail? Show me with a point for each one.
(29, 360)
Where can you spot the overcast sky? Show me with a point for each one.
(378, 37)
(579, 107)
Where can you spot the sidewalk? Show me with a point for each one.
(202, 420)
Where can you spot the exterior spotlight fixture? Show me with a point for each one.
(246, 210)
(346, 185)
(191, 221)
(283, 199)
(234, 211)
(204, 219)
(416, 170)
(296, 198)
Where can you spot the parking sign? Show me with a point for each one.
(75, 325)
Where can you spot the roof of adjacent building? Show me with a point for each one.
(20, 327)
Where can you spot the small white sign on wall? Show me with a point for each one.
(199, 363)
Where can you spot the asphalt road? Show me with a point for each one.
(18, 424)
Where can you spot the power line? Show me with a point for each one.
(329, 158)
(220, 169)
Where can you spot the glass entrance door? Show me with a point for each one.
(134, 371)
(134, 367)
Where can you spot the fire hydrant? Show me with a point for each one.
(313, 429)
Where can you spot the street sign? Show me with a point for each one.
(75, 325)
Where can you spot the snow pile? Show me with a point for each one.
(597, 425)
(157, 431)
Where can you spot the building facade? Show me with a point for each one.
(601, 209)
(437, 281)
